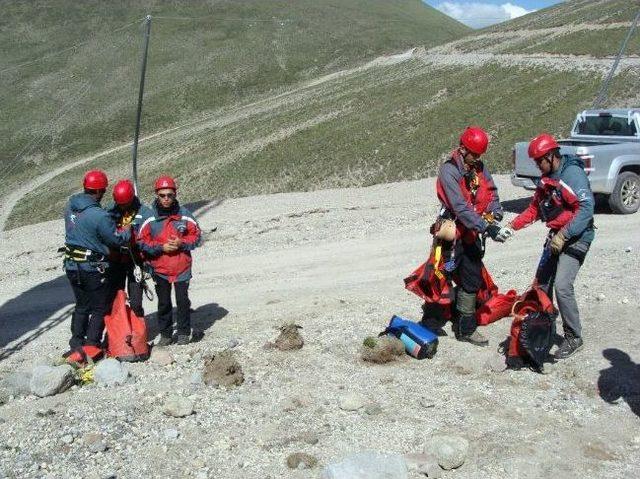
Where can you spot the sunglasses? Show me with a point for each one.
(167, 195)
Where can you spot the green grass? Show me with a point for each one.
(597, 43)
(573, 11)
(83, 100)
(387, 124)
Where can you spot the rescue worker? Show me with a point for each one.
(167, 238)
(564, 201)
(89, 233)
(128, 210)
(469, 196)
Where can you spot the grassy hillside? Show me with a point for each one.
(203, 55)
(392, 119)
(583, 27)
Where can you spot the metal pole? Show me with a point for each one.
(147, 34)
(602, 94)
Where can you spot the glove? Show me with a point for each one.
(493, 230)
(504, 234)
(498, 216)
(557, 242)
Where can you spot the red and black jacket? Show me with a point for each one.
(466, 195)
(157, 229)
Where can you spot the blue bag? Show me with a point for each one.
(419, 342)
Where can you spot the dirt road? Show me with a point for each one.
(332, 261)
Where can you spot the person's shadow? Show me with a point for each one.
(621, 380)
(202, 318)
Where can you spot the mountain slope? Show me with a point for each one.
(203, 56)
(393, 118)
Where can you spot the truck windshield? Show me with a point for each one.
(606, 126)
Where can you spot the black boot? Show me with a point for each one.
(569, 346)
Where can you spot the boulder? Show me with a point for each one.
(51, 380)
(178, 406)
(110, 372)
(17, 383)
(449, 450)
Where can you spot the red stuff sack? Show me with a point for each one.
(533, 327)
(126, 332)
(496, 307)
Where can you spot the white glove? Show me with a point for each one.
(504, 234)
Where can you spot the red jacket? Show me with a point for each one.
(467, 195)
(157, 229)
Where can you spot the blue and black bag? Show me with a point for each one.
(418, 341)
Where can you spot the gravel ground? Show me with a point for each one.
(332, 262)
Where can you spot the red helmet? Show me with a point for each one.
(475, 139)
(95, 180)
(165, 182)
(541, 145)
(124, 192)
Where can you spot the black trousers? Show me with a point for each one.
(94, 296)
(121, 275)
(165, 307)
(469, 265)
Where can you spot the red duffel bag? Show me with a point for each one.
(496, 307)
(126, 332)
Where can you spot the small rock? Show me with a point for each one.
(427, 402)
(424, 464)
(5, 396)
(94, 442)
(222, 369)
(301, 460)
(627, 249)
(161, 356)
(450, 450)
(625, 300)
(289, 338)
(171, 434)
(110, 372)
(601, 297)
(178, 406)
(67, 439)
(352, 402)
(372, 409)
(49, 380)
(233, 343)
(17, 383)
(291, 404)
(368, 465)
(196, 378)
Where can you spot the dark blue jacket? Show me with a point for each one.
(90, 227)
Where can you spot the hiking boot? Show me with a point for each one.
(165, 341)
(183, 339)
(476, 338)
(568, 346)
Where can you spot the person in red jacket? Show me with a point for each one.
(167, 238)
(564, 201)
(469, 196)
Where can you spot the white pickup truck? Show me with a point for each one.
(608, 141)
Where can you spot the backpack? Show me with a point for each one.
(126, 332)
(533, 328)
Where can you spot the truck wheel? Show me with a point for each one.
(625, 198)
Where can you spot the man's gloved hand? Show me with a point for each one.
(498, 216)
(505, 233)
(557, 242)
(493, 230)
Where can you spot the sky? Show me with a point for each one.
(482, 13)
